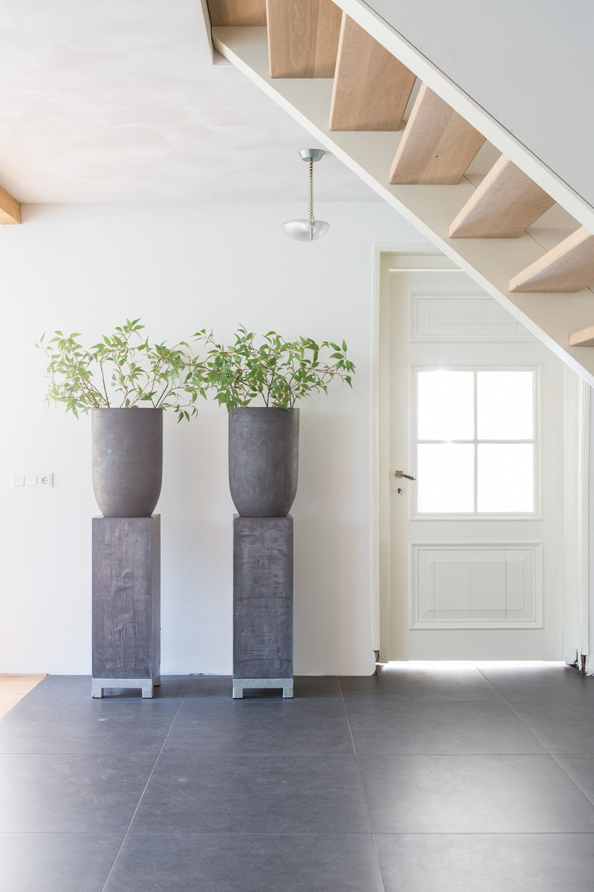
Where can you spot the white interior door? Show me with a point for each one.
(476, 408)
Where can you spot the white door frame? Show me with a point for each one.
(576, 551)
(576, 637)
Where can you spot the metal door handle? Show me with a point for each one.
(402, 474)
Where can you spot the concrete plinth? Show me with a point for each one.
(126, 603)
(262, 604)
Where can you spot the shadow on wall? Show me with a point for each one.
(328, 621)
(196, 568)
(197, 544)
(326, 458)
(331, 520)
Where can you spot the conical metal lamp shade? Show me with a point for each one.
(310, 229)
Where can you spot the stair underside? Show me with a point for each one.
(491, 262)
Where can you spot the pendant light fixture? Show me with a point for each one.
(310, 229)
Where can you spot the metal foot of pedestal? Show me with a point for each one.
(146, 685)
(243, 684)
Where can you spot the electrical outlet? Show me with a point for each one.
(41, 481)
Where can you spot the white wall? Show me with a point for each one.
(529, 63)
(181, 268)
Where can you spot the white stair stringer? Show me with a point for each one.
(491, 263)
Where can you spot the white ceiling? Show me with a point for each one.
(118, 101)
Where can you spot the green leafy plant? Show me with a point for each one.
(271, 371)
(122, 371)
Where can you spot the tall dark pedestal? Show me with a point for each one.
(262, 604)
(126, 603)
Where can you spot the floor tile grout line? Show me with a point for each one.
(362, 787)
(283, 834)
(513, 833)
(501, 698)
(548, 751)
(564, 769)
(516, 713)
(125, 836)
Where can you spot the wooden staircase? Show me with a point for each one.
(359, 89)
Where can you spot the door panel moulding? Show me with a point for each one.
(430, 209)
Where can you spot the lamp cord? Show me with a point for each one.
(310, 191)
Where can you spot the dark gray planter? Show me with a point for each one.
(263, 460)
(127, 460)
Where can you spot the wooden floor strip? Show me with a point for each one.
(13, 688)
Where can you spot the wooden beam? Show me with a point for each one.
(371, 87)
(303, 37)
(583, 338)
(251, 13)
(569, 266)
(10, 208)
(437, 145)
(505, 204)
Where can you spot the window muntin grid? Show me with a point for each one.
(476, 442)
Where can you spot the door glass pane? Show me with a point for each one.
(445, 478)
(445, 405)
(505, 477)
(505, 405)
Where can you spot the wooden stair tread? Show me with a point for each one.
(251, 13)
(437, 146)
(503, 206)
(371, 86)
(582, 338)
(303, 37)
(10, 208)
(569, 266)
(430, 208)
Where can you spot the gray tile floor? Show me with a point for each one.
(465, 779)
